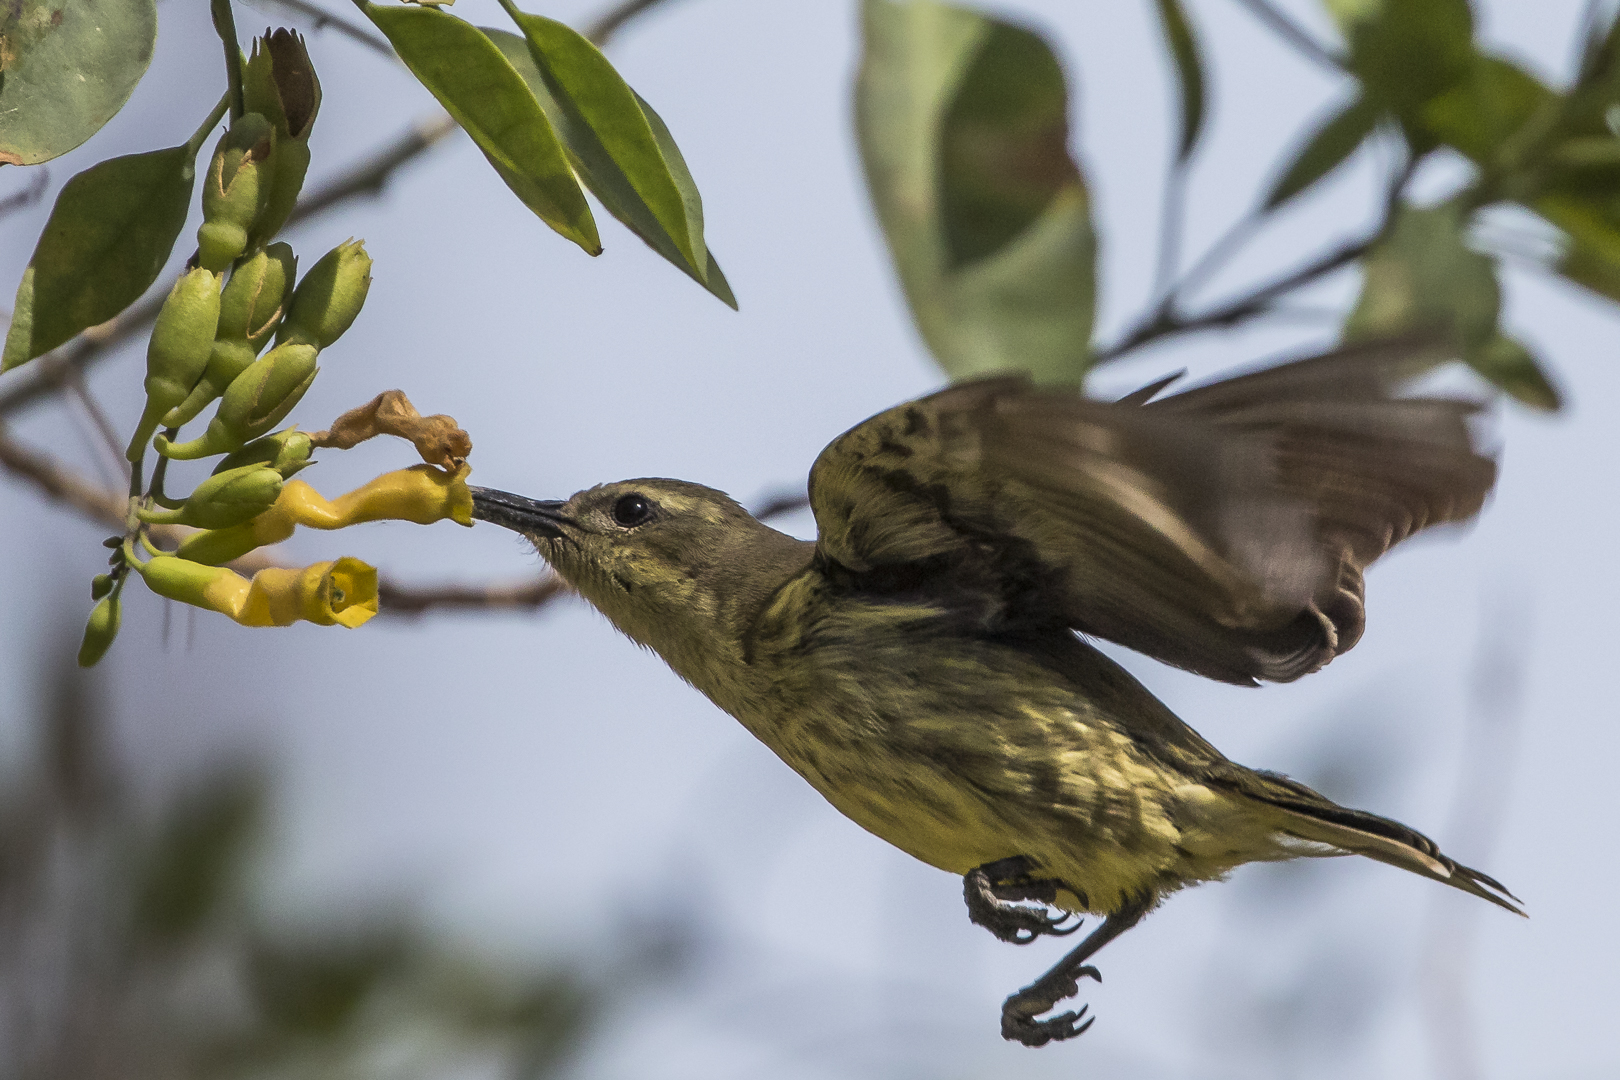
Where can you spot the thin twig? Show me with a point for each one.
(323, 19)
(1294, 34)
(524, 594)
(602, 28)
(225, 25)
(778, 505)
(1165, 323)
(106, 435)
(28, 196)
(1171, 216)
(371, 175)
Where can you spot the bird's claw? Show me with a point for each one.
(993, 907)
(1019, 1012)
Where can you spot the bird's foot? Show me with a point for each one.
(993, 892)
(1019, 1012)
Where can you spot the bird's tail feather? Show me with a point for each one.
(1313, 817)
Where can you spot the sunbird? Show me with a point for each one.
(924, 663)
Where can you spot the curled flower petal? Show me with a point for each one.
(342, 593)
(421, 494)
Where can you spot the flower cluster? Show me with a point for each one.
(241, 295)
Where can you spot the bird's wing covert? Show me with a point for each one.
(1223, 530)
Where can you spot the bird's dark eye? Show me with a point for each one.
(632, 510)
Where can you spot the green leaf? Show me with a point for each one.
(66, 68)
(596, 167)
(1591, 255)
(1511, 367)
(963, 131)
(586, 85)
(1327, 148)
(1486, 109)
(478, 86)
(1422, 276)
(1178, 34)
(1003, 144)
(1407, 52)
(108, 236)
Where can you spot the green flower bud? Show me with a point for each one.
(329, 297)
(279, 82)
(254, 403)
(249, 310)
(253, 300)
(219, 243)
(100, 631)
(226, 360)
(100, 586)
(292, 163)
(236, 190)
(178, 352)
(224, 499)
(287, 452)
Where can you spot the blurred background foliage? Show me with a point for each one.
(132, 943)
(145, 928)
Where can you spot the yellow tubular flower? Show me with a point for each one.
(342, 593)
(422, 494)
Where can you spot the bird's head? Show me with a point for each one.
(676, 566)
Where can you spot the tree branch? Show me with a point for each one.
(602, 29)
(369, 176)
(1291, 32)
(323, 19)
(27, 196)
(1166, 323)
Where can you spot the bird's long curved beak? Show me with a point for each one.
(529, 516)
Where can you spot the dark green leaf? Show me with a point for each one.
(1591, 255)
(108, 236)
(1178, 35)
(603, 176)
(1511, 367)
(713, 279)
(1485, 109)
(963, 133)
(583, 82)
(66, 68)
(1407, 52)
(1003, 144)
(478, 86)
(1327, 148)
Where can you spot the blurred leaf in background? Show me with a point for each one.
(132, 943)
(964, 133)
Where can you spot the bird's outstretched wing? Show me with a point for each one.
(1223, 530)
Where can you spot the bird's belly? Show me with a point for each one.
(1033, 776)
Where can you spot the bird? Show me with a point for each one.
(927, 662)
